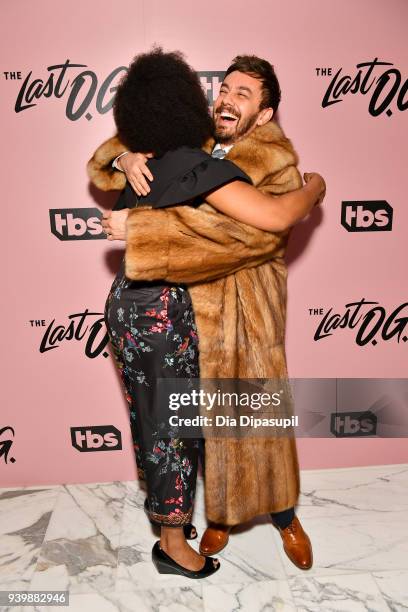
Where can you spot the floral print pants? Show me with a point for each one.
(153, 335)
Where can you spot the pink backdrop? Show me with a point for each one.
(362, 157)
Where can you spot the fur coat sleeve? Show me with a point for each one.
(187, 245)
(100, 169)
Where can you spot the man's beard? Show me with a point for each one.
(240, 129)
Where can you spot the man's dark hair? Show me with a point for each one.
(260, 69)
(160, 104)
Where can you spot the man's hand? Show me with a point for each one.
(114, 223)
(134, 166)
(319, 181)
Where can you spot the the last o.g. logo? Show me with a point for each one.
(84, 92)
(387, 92)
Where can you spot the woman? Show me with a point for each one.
(160, 107)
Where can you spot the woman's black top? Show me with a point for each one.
(180, 177)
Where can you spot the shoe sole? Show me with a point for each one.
(165, 568)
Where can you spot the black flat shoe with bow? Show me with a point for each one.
(166, 565)
(190, 532)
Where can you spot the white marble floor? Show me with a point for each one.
(94, 540)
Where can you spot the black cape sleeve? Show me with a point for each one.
(204, 177)
(200, 173)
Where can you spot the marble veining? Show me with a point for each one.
(95, 541)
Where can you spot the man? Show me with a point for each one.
(237, 280)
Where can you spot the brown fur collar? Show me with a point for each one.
(266, 149)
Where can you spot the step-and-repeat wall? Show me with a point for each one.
(343, 72)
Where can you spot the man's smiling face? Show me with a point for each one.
(237, 107)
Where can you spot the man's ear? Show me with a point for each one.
(264, 116)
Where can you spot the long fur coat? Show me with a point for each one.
(237, 280)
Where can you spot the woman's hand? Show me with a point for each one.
(319, 181)
(134, 166)
(114, 223)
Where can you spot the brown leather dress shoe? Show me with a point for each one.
(214, 539)
(296, 544)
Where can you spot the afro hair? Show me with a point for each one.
(160, 105)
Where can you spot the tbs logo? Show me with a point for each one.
(353, 424)
(93, 438)
(76, 223)
(368, 216)
(211, 82)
